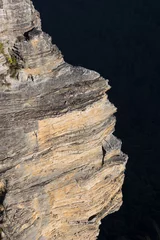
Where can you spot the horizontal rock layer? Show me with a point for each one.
(61, 167)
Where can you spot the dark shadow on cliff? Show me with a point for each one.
(121, 40)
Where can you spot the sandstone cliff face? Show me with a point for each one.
(61, 167)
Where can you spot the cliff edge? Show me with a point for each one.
(61, 167)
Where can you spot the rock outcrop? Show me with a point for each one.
(61, 167)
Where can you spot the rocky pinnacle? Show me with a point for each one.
(61, 167)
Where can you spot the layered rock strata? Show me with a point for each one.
(61, 167)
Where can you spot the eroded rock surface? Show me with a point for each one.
(61, 167)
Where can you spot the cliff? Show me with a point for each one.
(61, 167)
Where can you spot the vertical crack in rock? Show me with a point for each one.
(103, 155)
(2, 196)
(63, 166)
(3, 190)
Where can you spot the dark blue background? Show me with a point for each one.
(121, 40)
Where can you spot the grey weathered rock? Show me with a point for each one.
(17, 17)
(62, 166)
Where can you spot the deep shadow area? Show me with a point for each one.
(120, 40)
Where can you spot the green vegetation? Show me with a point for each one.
(13, 65)
(11, 61)
(1, 233)
(1, 48)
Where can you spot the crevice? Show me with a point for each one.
(3, 187)
(103, 156)
(92, 218)
(31, 34)
(3, 191)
